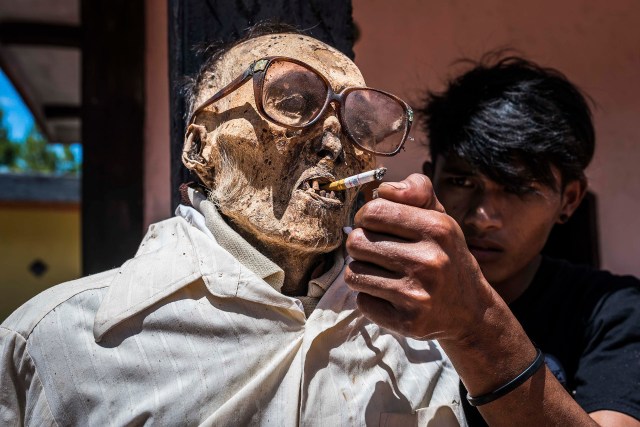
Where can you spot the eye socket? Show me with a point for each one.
(293, 105)
(292, 95)
(361, 129)
(375, 120)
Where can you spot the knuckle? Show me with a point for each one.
(431, 268)
(418, 297)
(439, 229)
(374, 212)
(355, 239)
(372, 209)
(442, 262)
(350, 276)
(443, 228)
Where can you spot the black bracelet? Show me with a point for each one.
(511, 385)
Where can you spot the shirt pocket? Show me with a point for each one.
(433, 416)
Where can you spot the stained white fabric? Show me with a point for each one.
(203, 215)
(229, 239)
(184, 334)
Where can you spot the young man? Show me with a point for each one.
(235, 311)
(509, 142)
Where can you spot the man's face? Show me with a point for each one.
(260, 172)
(504, 231)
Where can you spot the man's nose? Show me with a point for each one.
(485, 213)
(330, 146)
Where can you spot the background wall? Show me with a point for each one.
(406, 46)
(48, 234)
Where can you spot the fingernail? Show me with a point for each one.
(395, 185)
(347, 230)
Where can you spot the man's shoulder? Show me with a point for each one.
(30, 314)
(584, 279)
(163, 241)
(589, 290)
(565, 290)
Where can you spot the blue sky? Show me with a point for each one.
(17, 116)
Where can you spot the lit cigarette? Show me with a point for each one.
(356, 180)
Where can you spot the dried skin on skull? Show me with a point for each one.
(266, 179)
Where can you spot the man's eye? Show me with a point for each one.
(460, 181)
(522, 190)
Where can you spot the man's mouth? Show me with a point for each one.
(311, 187)
(484, 250)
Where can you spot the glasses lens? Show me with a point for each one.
(375, 120)
(292, 95)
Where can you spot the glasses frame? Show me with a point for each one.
(257, 71)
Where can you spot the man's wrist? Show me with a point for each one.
(511, 385)
(494, 350)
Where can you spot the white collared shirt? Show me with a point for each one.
(184, 334)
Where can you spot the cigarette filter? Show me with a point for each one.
(356, 180)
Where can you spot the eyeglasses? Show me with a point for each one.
(293, 95)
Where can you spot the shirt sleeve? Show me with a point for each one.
(608, 375)
(12, 401)
(22, 398)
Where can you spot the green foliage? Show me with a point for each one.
(37, 156)
(73, 166)
(4, 132)
(8, 154)
(8, 150)
(34, 154)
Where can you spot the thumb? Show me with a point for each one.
(415, 190)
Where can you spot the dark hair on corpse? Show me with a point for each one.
(511, 119)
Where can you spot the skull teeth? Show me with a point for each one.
(313, 186)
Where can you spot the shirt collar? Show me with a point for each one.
(177, 252)
(168, 259)
(205, 216)
(212, 223)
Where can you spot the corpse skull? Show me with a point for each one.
(264, 178)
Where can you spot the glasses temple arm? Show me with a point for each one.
(233, 85)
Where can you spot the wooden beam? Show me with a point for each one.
(112, 131)
(61, 111)
(39, 34)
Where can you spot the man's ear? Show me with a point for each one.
(194, 141)
(197, 154)
(427, 169)
(572, 195)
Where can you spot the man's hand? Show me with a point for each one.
(411, 267)
(415, 275)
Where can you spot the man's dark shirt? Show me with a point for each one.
(587, 322)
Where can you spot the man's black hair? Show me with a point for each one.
(511, 120)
